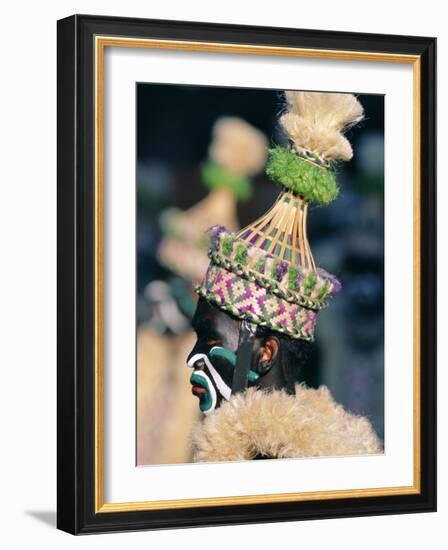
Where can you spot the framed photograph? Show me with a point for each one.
(246, 274)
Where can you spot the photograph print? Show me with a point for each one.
(260, 274)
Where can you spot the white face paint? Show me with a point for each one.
(201, 376)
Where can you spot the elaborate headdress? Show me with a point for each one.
(266, 274)
(237, 152)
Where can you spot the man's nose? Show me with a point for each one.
(196, 360)
(199, 364)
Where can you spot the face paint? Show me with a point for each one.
(207, 402)
(218, 351)
(201, 378)
(207, 377)
(214, 354)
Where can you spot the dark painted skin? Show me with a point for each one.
(213, 327)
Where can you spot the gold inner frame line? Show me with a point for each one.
(101, 42)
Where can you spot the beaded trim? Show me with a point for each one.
(268, 284)
(309, 155)
(251, 284)
(290, 282)
(247, 300)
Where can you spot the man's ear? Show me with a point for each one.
(267, 355)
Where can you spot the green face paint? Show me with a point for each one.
(225, 353)
(208, 401)
(218, 351)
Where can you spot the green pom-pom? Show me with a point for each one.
(314, 183)
(292, 277)
(241, 253)
(215, 176)
(227, 245)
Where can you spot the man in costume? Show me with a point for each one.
(258, 307)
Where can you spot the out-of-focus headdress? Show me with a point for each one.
(237, 152)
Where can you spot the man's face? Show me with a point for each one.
(213, 357)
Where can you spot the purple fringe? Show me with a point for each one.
(298, 280)
(280, 270)
(215, 233)
(337, 286)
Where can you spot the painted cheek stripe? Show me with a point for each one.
(218, 351)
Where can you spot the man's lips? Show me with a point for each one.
(198, 391)
(197, 388)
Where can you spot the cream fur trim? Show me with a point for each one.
(278, 425)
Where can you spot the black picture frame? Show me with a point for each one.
(76, 511)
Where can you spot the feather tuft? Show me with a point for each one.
(315, 122)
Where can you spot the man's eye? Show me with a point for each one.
(213, 341)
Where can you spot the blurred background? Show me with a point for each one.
(174, 130)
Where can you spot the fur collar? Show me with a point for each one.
(278, 425)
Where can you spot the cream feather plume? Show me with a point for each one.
(238, 147)
(315, 122)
